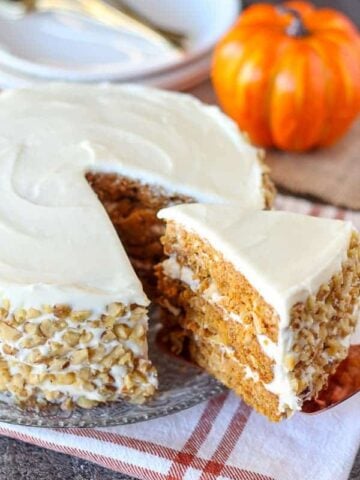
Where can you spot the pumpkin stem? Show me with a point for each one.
(296, 27)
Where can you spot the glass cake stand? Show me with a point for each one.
(181, 385)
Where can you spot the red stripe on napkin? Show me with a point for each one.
(107, 462)
(186, 457)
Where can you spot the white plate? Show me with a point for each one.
(66, 47)
(181, 78)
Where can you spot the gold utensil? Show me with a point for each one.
(117, 15)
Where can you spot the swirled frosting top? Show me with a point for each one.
(56, 240)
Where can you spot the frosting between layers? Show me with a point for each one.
(56, 241)
(280, 385)
(249, 374)
(264, 246)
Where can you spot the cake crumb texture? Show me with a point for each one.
(237, 336)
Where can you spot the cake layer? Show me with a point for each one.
(196, 262)
(203, 317)
(132, 208)
(235, 375)
(232, 277)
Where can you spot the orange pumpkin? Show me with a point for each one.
(290, 74)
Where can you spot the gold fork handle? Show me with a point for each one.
(111, 16)
(175, 37)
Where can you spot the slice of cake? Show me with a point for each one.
(81, 166)
(265, 300)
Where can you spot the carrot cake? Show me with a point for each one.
(265, 301)
(82, 166)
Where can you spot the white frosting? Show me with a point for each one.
(173, 269)
(118, 372)
(280, 385)
(249, 374)
(285, 256)
(212, 293)
(56, 242)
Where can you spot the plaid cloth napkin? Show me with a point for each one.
(222, 438)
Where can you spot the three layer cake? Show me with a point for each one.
(265, 301)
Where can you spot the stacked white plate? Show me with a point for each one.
(61, 46)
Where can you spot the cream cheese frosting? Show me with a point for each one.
(285, 256)
(56, 240)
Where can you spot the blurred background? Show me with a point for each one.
(163, 43)
(349, 7)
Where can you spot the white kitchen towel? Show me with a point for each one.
(221, 438)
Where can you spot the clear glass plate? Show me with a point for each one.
(181, 386)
